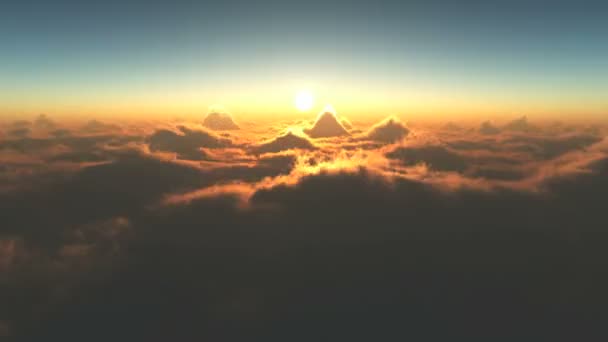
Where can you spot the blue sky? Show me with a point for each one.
(65, 55)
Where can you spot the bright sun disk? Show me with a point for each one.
(304, 101)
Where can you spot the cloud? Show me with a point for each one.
(326, 126)
(501, 173)
(10, 251)
(73, 143)
(520, 125)
(346, 123)
(219, 119)
(284, 142)
(44, 122)
(187, 143)
(60, 133)
(80, 157)
(20, 124)
(283, 164)
(313, 241)
(19, 132)
(321, 245)
(451, 126)
(474, 144)
(547, 147)
(488, 128)
(388, 131)
(123, 186)
(95, 126)
(4, 329)
(436, 157)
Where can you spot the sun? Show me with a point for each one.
(304, 101)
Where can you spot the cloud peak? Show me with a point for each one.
(326, 126)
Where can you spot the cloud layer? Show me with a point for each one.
(173, 232)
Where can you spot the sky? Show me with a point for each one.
(166, 176)
(426, 58)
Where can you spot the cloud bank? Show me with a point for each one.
(451, 233)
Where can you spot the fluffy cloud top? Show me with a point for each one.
(219, 119)
(388, 131)
(488, 128)
(521, 124)
(284, 142)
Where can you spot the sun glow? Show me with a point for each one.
(304, 101)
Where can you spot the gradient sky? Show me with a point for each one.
(419, 57)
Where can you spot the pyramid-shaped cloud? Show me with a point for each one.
(327, 125)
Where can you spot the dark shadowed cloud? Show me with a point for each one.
(500, 172)
(473, 144)
(303, 257)
(187, 143)
(258, 246)
(546, 147)
(80, 157)
(436, 157)
(60, 133)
